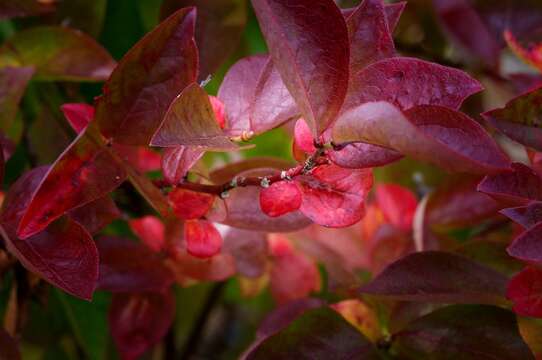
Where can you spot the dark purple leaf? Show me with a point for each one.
(147, 79)
(21, 8)
(97, 214)
(528, 246)
(59, 53)
(361, 155)
(249, 248)
(434, 276)
(408, 82)
(435, 134)
(526, 216)
(308, 42)
(393, 13)
(520, 119)
(128, 266)
(370, 38)
(63, 253)
(469, 332)
(516, 187)
(139, 321)
(86, 171)
(190, 121)
(219, 27)
(317, 334)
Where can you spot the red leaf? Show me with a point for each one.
(150, 230)
(21, 8)
(139, 321)
(527, 246)
(141, 158)
(515, 187)
(177, 161)
(13, 82)
(335, 197)
(303, 137)
(407, 82)
(78, 115)
(526, 216)
(64, 54)
(468, 29)
(219, 27)
(63, 253)
(189, 205)
(370, 37)
(434, 276)
(435, 134)
(245, 213)
(280, 198)
(458, 204)
(218, 109)
(293, 277)
(202, 239)
(398, 204)
(519, 119)
(525, 291)
(308, 43)
(147, 79)
(85, 172)
(127, 266)
(361, 155)
(190, 121)
(97, 214)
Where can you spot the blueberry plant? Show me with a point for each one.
(403, 221)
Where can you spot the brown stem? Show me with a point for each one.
(264, 181)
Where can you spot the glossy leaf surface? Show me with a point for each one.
(147, 79)
(310, 51)
(190, 205)
(280, 198)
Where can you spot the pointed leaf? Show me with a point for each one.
(280, 198)
(434, 276)
(127, 266)
(219, 27)
(408, 82)
(308, 43)
(139, 321)
(317, 334)
(526, 216)
(515, 187)
(435, 134)
(527, 246)
(190, 121)
(85, 172)
(469, 332)
(370, 37)
(63, 253)
(525, 291)
(393, 13)
(202, 239)
(59, 54)
(78, 115)
(147, 79)
(519, 119)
